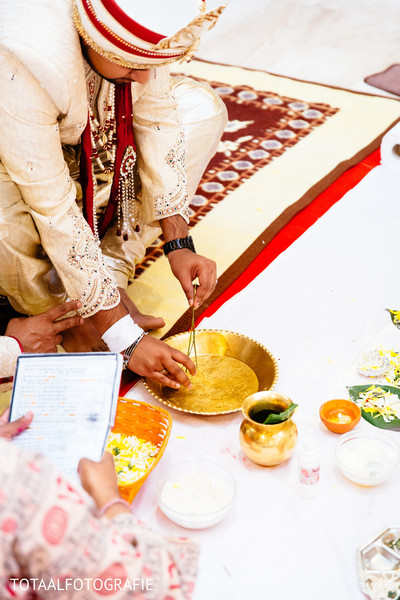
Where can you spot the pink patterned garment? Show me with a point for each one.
(52, 545)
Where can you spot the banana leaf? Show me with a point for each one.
(375, 418)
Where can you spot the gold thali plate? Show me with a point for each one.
(231, 367)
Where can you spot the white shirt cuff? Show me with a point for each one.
(122, 334)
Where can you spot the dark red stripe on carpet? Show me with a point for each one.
(298, 225)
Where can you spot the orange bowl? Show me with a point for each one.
(147, 422)
(340, 416)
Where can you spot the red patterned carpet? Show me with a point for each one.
(285, 143)
(262, 127)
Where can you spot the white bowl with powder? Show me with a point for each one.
(367, 458)
(196, 494)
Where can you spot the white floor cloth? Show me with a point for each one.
(317, 307)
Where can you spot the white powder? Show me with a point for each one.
(369, 457)
(196, 493)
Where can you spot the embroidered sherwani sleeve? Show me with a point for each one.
(49, 532)
(161, 155)
(30, 150)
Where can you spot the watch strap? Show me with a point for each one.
(179, 244)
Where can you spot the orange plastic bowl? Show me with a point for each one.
(331, 412)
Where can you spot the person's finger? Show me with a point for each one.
(149, 323)
(9, 430)
(102, 347)
(67, 323)
(175, 371)
(4, 416)
(176, 356)
(84, 464)
(164, 380)
(62, 309)
(187, 286)
(169, 375)
(52, 350)
(82, 467)
(183, 359)
(207, 276)
(107, 458)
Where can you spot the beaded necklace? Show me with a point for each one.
(115, 140)
(108, 141)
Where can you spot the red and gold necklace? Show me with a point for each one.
(116, 139)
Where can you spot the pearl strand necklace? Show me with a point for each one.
(104, 138)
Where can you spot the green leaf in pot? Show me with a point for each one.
(280, 417)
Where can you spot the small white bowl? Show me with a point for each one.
(196, 494)
(372, 364)
(367, 458)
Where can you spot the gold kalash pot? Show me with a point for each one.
(267, 445)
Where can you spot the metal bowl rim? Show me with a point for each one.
(225, 412)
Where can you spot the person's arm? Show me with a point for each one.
(160, 147)
(160, 142)
(186, 265)
(51, 529)
(100, 482)
(30, 149)
(41, 333)
(31, 152)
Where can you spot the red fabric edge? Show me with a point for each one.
(128, 380)
(296, 227)
(18, 342)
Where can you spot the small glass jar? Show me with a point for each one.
(267, 445)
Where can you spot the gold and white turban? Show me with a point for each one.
(125, 31)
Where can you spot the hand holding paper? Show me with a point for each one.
(74, 397)
(9, 430)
